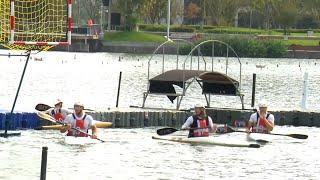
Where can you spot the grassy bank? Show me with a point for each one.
(302, 42)
(133, 37)
(238, 30)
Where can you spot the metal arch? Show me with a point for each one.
(208, 41)
(161, 45)
(154, 52)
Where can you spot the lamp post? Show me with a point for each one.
(168, 20)
(109, 16)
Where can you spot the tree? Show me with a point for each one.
(130, 12)
(176, 10)
(192, 12)
(312, 7)
(154, 10)
(221, 12)
(287, 13)
(84, 10)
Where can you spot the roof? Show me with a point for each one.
(212, 82)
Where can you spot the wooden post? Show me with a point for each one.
(118, 89)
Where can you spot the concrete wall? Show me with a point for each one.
(139, 48)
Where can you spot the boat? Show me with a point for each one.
(72, 140)
(99, 124)
(211, 140)
(260, 66)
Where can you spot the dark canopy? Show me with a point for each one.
(212, 82)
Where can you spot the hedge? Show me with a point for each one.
(163, 28)
(243, 47)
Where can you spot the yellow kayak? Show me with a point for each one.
(99, 124)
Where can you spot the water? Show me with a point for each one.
(133, 154)
(93, 79)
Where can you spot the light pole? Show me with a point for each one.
(168, 20)
(101, 19)
(109, 16)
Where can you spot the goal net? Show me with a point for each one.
(35, 23)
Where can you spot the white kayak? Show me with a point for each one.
(72, 140)
(207, 141)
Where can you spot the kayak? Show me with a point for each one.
(99, 124)
(216, 141)
(72, 140)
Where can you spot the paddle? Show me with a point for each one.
(170, 130)
(49, 118)
(44, 107)
(297, 136)
(166, 131)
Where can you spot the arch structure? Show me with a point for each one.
(188, 72)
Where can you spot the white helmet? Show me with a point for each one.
(57, 101)
(263, 103)
(78, 104)
(199, 106)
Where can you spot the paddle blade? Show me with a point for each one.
(46, 117)
(254, 146)
(298, 136)
(165, 131)
(225, 129)
(42, 107)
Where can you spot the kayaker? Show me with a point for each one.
(261, 121)
(199, 123)
(58, 112)
(80, 120)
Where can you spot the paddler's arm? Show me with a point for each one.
(67, 127)
(251, 123)
(187, 124)
(213, 127)
(94, 131)
(269, 123)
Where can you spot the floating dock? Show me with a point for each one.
(139, 118)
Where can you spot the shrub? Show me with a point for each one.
(243, 47)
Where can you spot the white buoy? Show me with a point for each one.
(304, 91)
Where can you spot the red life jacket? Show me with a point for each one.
(57, 116)
(79, 125)
(261, 125)
(199, 123)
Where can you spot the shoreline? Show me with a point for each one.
(149, 47)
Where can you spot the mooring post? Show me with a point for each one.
(119, 89)
(253, 90)
(43, 173)
(17, 94)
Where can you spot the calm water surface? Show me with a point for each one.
(133, 154)
(93, 79)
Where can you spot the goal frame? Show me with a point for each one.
(12, 29)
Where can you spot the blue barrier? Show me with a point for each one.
(19, 121)
(2, 120)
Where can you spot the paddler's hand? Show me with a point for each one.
(94, 136)
(248, 130)
(263, 115)
(67, 126)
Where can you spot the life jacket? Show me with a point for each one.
(57, 116)
(79, 125)
(199, 123)
(261, 126)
